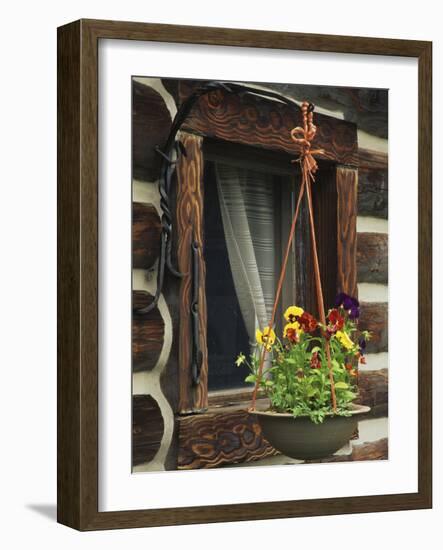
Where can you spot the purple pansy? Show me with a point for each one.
(362, 345)
(350, 304)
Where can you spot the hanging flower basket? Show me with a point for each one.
(312, 378)
(299, 437)
(311, 382)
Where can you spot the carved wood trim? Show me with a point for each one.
(189, 226)
(256, 121)
(221, 436)
(346, 181)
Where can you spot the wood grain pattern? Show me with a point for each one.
(255, 121)
(146, 231)
(151, 122)
(147, 428)
(169, 377)
(373, 391)
(374, 317)
(69, 275)
(325, 203)
(425, 272)
(369, 159)
(347, 230)
(147, 333)
(189, 227)
(216, 438)
(372, 258)
(372, 196)
(77, 248)
(366, 107)
(373, 192)
(373, 450)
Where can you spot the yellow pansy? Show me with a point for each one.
(292, 327)
(267, 337)
(344, 339)
(292, 312)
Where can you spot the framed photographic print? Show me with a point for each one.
(244, 281)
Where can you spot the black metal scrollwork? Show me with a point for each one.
(197, 355)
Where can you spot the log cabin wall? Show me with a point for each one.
(156, 427)
(152, 335)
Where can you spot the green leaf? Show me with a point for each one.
(311, 392)
(341, 386)
(250, 378)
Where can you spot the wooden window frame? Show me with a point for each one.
(265, 125)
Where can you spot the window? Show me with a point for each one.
(248, 208)
(231, 141)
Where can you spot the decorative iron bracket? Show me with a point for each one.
(197, 355)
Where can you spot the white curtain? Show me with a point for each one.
(247, 207)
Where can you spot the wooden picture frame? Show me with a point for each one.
(78, 274)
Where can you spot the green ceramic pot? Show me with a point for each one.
(301, 438)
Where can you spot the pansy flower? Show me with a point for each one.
(315, 361)
(336, 321)
(307, 322)
(292, 332)
(292, 313)
(266, 338)
(344, 340)
(350, 304)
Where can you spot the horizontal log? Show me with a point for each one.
(151, 122)
(147, 333)
(373, 391)
(370, 159)
(259, 122)
(147, 428)
(373, 450)
(372, 257)
(372, 197)
(374, 317)
(366, 107)
(146, 231)
(219, 437)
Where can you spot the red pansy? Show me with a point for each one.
(307, 322)
(336, 320)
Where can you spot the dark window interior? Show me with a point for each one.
(226, 331)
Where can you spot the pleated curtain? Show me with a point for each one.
(247, 208)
